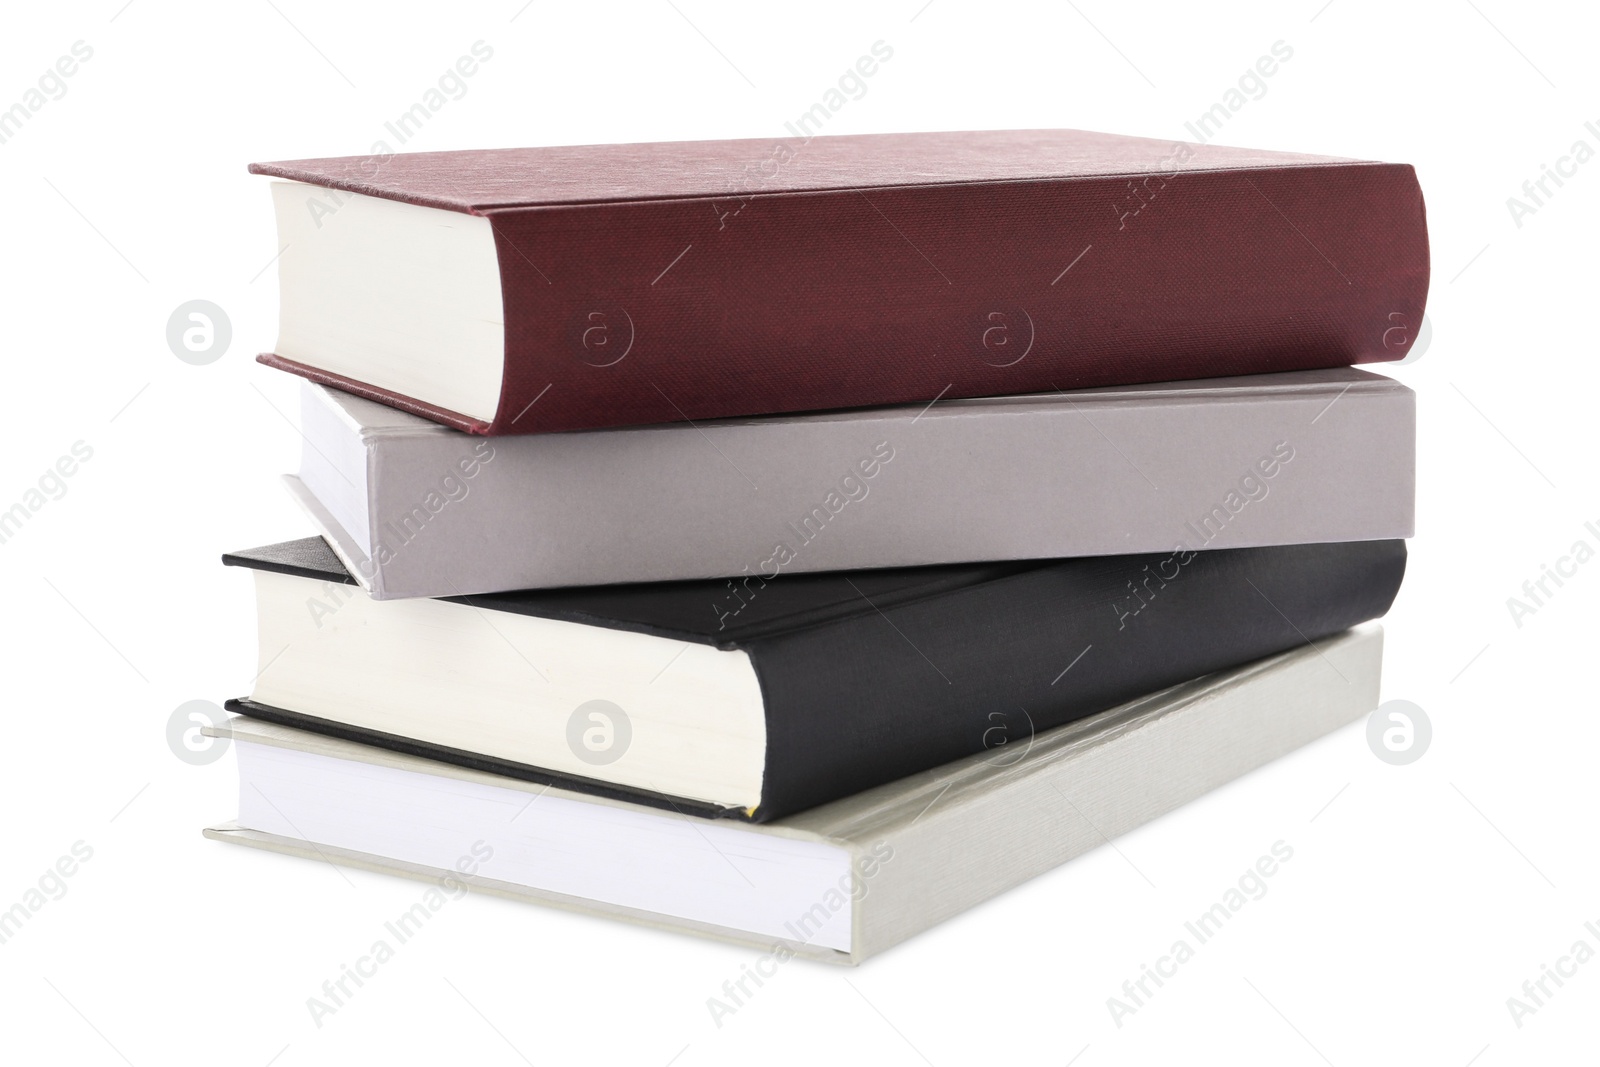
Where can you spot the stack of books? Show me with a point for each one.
(799, 543)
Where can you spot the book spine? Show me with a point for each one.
(1329, 461)
(669, 310)
(902, 688)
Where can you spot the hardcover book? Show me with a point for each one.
(838, 883)
(756, 700)
(415, 509)
(537, 289)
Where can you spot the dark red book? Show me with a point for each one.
(541, 289)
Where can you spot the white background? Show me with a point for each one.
(1419, 898)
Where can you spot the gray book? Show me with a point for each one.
(415, 509)
(840, 882)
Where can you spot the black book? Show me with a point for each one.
(756, 698)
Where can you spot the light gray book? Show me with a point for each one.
(840, 882)
(415, 509)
